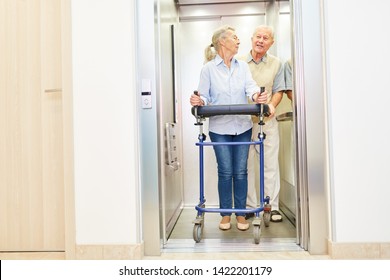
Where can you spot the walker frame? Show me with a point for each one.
(201, 113)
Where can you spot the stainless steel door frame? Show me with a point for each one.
(310, 125)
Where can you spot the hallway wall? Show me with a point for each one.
(357, 68)
(105, 122)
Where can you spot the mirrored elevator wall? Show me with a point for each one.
(287, 159)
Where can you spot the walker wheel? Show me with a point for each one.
(256, 233)
(267, 218)
(197, 232)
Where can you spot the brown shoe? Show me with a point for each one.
(242, 224)
(225, 223)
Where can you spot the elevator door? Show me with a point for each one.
(170, 132)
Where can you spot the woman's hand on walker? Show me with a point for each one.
(260, 98)
(195, 100)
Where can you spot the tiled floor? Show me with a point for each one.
(278, 241)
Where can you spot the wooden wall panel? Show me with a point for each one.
(31, 159)
(52, 122)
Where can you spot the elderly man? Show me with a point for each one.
(267, 71)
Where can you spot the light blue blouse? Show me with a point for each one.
(220, 85)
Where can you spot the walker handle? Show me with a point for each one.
(235, 109)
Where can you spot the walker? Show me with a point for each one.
(201, 113)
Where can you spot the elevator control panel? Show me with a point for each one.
(146, 94)
(171, 151)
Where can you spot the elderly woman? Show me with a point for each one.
(223, 81)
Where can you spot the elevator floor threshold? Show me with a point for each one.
(230, 245)
(275, 238)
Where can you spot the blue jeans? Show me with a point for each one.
(232, 164)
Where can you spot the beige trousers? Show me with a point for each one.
(271, 166)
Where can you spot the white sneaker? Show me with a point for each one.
(276, 217)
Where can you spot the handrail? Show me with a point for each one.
(288, 116)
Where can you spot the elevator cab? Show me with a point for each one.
(181, 33)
